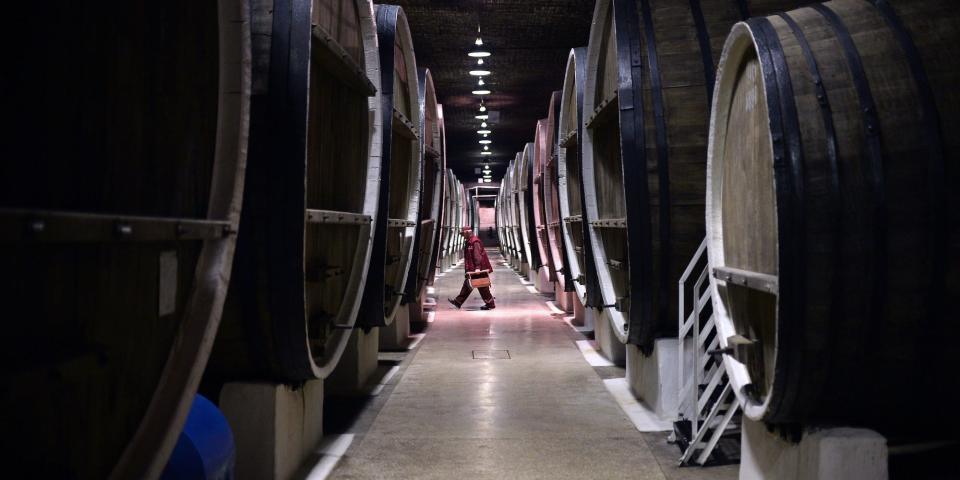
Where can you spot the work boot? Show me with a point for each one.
(488, 306)
(454, 303)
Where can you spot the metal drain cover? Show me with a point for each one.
(491, 354)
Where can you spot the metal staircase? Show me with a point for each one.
(709, 411)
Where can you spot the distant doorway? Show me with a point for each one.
(488, 225)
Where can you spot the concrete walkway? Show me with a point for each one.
(457, 413)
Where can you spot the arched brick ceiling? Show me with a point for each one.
(529, 42)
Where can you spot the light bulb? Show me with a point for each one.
(484, 135)
(482, 108)
(484, 124)
(478, 42)
(479, 61)
(486, 147)
(480, 82)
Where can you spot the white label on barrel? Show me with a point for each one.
(167, 291)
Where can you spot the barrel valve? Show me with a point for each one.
(738, 347)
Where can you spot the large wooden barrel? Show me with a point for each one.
(832, 216)
(311, 195)
(461, 219)
(514, 215)
(646, 100)
(446, 238)
(542, 141)
(505, 209)
(431, 193)
(551, 198)
(449, 207)
(451, 220)
(519, 212)
(500, 209)
(444, 224)
(527, 230)
(437, 247)
(580, 265)
(400, 173)
(120, 192)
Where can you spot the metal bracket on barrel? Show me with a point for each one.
(753, 280)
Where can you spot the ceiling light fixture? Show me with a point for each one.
(483, 124)
(480, 52)
(481, 117)
(481, 92)
(479, 73)
(479, 61)
(480, 82)
(483, 132)
(486, 147)
(484, 142)
(486, 153)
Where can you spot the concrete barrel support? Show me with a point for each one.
(357, 364)
(276, 427)
(834, 453)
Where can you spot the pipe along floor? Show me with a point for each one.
(502, 394)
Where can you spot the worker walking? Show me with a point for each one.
(478, 267)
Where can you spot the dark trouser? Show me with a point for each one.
(465, 292)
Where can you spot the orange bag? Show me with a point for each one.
(479, 279)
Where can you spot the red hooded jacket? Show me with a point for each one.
(475, 256)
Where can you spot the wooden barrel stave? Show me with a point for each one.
(864, 265)
(119, 235)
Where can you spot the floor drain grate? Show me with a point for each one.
(491, 354)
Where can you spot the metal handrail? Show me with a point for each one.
(710, 415)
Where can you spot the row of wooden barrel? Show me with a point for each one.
(148, 142)
(812, 149)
